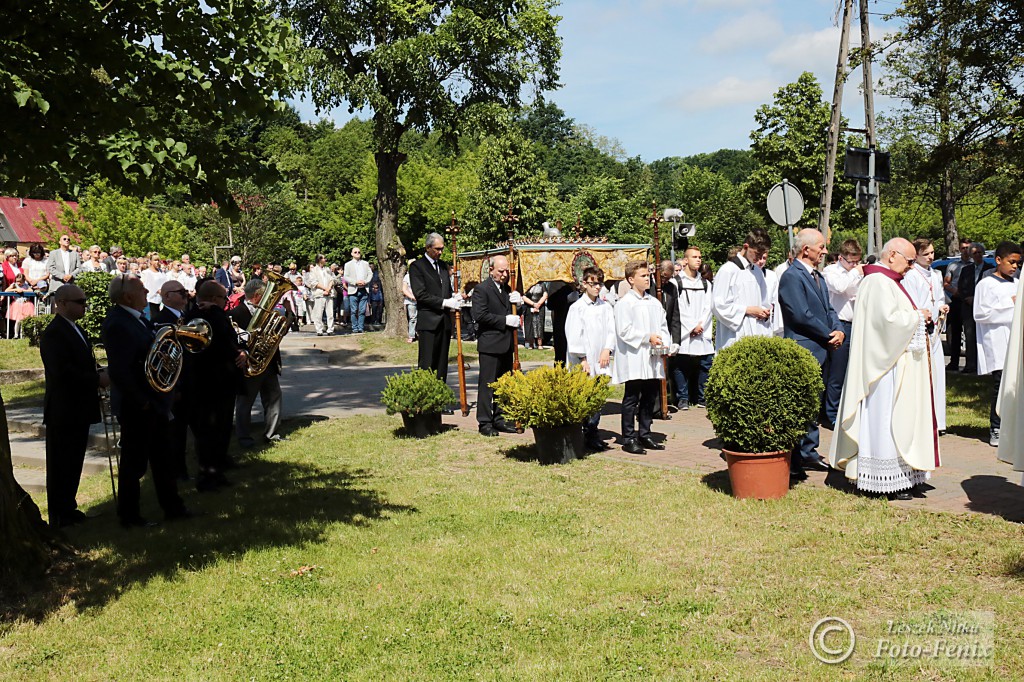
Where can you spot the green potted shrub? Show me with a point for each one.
(420, 397)
(761, 394)
(553, 401)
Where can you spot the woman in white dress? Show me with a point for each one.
(925, 288)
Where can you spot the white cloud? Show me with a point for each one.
(727, 92)
(816, 51)
(749, 30)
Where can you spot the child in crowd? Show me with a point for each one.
(590, 339)
(18, 307)
(993, 313)
(642, 336)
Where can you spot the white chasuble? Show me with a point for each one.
(1010, 404)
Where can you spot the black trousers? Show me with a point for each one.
(970, 337)
(993, 417)
(491, 367)
(433, 350)
(177, 437)
(212, 427)
(144, 442)
(638, 403)
(65, 453)
(954, 331)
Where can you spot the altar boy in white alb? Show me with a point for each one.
(590, 342)
(741, 298)
(994, 299)
(640, 327)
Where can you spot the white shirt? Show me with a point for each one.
(153, 281)
(842, 289)
(93, 266)
(925, 287)
(993, 313)
(406, 284)
(771, 280)
(589, 330)
(65, 256)
(694, 309)
(635, 320)
(358, 271)
(188, 281)
(736, 289)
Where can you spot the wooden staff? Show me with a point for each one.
(656, 220)
(510, 220)
(463, 402)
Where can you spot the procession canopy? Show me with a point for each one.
(555, 259)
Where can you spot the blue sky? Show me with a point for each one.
(680, 77)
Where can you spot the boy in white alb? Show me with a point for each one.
(695, 342)
(994, 298)
(590, 339)
(640, 326)
(741, 299)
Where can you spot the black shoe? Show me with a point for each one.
(902, 496)
(505, 427)
(487, 430)
(633, 447)
(596, 445)
(137, 522)
(969, 370)
(818, 464)
(448, 410)
(683, 405)
(182, 514)
(797, 475)
(651, 444)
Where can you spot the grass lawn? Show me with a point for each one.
(449, 558)
(23, 393)
(17, 354)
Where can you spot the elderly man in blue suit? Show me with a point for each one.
(809, 320)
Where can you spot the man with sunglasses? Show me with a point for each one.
(63, 264)
(176, 302)
(70, 403)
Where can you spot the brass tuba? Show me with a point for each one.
(267, 327)
(165, 358)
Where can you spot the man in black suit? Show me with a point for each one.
(492, 310)
(431, 284)
(70, 404)
(266, 385)
(143, 412)
(176, 302)
(970, 275)
(219, 368)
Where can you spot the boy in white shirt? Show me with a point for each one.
(741, 299)
(695, 342)
(590, 339)
(994, 298)
(640, 326)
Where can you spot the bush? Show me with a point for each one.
(32, 327)
(418, 391)
(550, 396)
(762, 393)
(95, 286)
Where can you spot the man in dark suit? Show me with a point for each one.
(492, 310)
(266, 385)
(219, 368)
(70, 404)
(970, 275)
(809, 320)
(431, 284)
(143, 412)
(176, 302)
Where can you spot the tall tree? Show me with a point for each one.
(105, 88)
(448, 66)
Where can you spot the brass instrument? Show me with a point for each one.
(267, 327)
(166, 356)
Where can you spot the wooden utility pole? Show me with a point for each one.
(510, 219)
(869, 117)
(835, 124)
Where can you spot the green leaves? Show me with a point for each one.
(550, 396)
(417, 391)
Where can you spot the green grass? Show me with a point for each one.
(968, 398)
(23, 393)
(447, 559)
(17, 354)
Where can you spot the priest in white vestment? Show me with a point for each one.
(1010, 405)
(741, 298)
(590, 342)
(993, 307)
(886, 438)
(925, 288)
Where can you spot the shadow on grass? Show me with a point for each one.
(996, 496)
(400, 432)
(272, 504)
(523, 453)
(718, 481)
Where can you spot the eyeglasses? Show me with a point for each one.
(592, 284)
(79, 301)
(180, 292)
(910, 261)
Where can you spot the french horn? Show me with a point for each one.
(166, 356)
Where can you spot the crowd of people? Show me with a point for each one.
(874, 327)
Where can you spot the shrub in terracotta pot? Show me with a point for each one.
(420, 397)
(761, 394)
(553, 401)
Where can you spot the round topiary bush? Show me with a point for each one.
(417, 391)
(548, 397)
(761, 394)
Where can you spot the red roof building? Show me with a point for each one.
(17, 218)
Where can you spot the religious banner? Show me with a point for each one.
(555, 262)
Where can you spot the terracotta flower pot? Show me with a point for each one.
(760, 476)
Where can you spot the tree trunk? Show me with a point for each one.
(26, 542)
(390, 251)
(947, 203)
